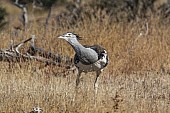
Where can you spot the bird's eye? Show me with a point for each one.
(68, 35)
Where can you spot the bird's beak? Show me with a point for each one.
(61, 37)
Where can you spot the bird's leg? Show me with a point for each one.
(96, 80)
(78, 78)
(76, 88)
(96, 87)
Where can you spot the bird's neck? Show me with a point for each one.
(76, 46)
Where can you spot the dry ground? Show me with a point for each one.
(137, 78)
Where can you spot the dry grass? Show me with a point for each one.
(136, 79)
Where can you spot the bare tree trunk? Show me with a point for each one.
(24, 13)
(47, 19)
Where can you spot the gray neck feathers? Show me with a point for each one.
(76, 45)
(85, 55)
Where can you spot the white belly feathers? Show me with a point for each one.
(92, 67)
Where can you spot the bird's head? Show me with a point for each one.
(69, 36)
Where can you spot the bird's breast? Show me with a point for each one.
(89, 68)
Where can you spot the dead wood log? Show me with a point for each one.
(34, 53)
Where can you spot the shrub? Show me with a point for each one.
(3, 13)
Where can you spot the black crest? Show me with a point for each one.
(78, 37)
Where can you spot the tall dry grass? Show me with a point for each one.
(136, 79)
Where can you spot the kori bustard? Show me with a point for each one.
(87, 58)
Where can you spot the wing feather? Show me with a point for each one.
(87, 61)
(99, 50)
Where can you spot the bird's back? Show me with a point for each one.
(100, 54)
(97, 48)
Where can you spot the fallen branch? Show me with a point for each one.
(34, 53)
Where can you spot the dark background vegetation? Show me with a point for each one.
(117, 10)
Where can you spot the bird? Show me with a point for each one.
(91, 58)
